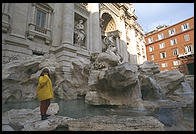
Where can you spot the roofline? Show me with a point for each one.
(167, 27)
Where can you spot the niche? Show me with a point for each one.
(80, 31)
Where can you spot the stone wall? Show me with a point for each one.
(21, 40)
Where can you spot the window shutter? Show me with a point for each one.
(171, 42)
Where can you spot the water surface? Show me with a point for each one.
(78, 109)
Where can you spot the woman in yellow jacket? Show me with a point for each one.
(44, 92)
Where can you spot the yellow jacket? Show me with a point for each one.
(44, 88)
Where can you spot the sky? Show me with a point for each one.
(150, 15)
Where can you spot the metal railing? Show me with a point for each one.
(186, 54)
(40, 29)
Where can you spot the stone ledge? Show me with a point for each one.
(116, 123)
(16, 41)
(66, 46)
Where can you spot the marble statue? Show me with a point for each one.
(112, 50)
(109, 58)
(79, 34)
(109, 40)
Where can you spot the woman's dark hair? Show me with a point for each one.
(45, 70)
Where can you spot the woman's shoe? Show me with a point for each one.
(44, 117)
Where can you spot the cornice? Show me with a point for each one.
(78, 7)
(112, 8)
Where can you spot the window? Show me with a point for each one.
(172, 32)
(164, 65)
(160, 36)
(150, 40)
(162, 45)
(38, 53)
(173, 42)
(186, 37)
(151, 48)
(185, 27)
(40, 18)
(175, 52)
(163, 55)
(40, 22)
(5, 17)
(188, 48)
(152, 57)
(176, 63)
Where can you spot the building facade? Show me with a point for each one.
(172, 47)
(70, 30)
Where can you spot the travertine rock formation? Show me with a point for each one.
(30, 120)
(116, 123)
(134, 85)
(119, 84)
(20, 78)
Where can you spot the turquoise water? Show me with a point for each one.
(76, 108)
(20, 105)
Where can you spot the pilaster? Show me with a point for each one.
(95, 27)
(68, 23)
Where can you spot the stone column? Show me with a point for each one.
(66, 52)
(95, 34)
(32, 15)
(133, 44)
(68, 23)
(48, 24)
(123, 40)
(31, 24)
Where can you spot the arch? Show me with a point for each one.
(110, 13)
(109, 21)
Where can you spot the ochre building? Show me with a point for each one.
(172, 47)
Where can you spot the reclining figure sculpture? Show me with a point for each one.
(109, 58)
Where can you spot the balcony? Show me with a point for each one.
(35, 30)
(186, 54)
(40, 29)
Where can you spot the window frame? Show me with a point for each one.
(152, 59)
(150, 40)
(161, 56)
(173, 42)
(172, 33)
(34, 30)
(186, 36)
(188, 47)
(164, 63)
(160, 36)
(161, 45)
(176, 61)
(150, 50)
(183, 28)
(40, 22)
(176, 51)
